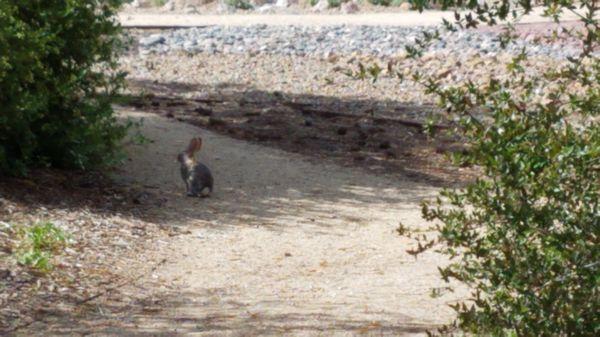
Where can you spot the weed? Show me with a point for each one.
(38, 243)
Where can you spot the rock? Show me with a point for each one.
(169, 6)
(350, 7)
(405, 6)
(152, 40)
(121, 243)
(331, 57)
(189, 44)
(216, 122)
(285, 3)
(203, 111)
(322, 5)
(266, 8)
(190, 9)
(259, 3)
(443, 73)
(332, 42)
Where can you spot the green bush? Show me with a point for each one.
(525, 237)
(381, 2)
(159, 3)
(239, 4)
(334, 3)
(56, 78)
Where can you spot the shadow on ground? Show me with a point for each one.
(308, 182)
(380, 136)
(415, 164)
(259, 186)
(214, 312)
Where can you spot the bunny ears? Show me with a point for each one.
(194, 146)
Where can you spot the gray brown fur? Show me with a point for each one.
(196, 176)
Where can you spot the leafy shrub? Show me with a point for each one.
(381, 2)
(239, 4)
(37, 245)
(158, 3)
(56, 77)
(334, 3)
(525, 237)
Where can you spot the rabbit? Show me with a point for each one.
(197, 176)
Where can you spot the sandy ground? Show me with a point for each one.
(412, 18)
(283, 247)
(286, 246)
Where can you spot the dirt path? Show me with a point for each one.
(412, 18)
(284, 246)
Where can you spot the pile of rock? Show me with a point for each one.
(341, 40)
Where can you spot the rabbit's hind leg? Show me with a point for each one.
(205, 191)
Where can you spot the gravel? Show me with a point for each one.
(340, 39)
(311, 63)
(311, 79)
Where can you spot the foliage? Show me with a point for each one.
(159, 3)
(57, 72)
(239, 4)
(525, 236)
(37, 245)
(396, 3)
(381, 2)
(334, 3)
